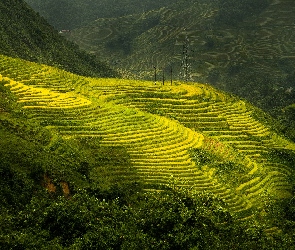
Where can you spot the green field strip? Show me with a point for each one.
(195, 112)
(111, 131)
(240, 206)
(156, 181)
(142, 135)
(162, 161)
(225, 133)
(221, 191)
(69, 113)
(148, 131)
(160, 140)
(18, 88)
(233, 201)
(60, 100)
(253, 151)
(171, 173)
(175, 153)
(193, 105)
(166, 174)
(171, 110)
(288, 171)
(135, 120)
(161, 101)
(272, 231)
(263, 185)
(188, 142)
(183, 143)
(206, 125)
(175, 105)
(89, 129)
(246, 146)
(81, 134)
(281, 183)
(53, 99)
(255, 167)
(66, 121)
(121, 123)
(48, 105)
(188, 171)
(128, 92)
(248, 184)
(192, 117)
(91, 110)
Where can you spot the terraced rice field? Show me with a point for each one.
(256, 43)
(160, 126)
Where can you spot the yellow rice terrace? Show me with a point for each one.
(188, 136)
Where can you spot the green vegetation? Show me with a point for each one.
(69, 14)
(167, 220)
(107, 163)
(27, 35)
(122, 164)
(244, 47)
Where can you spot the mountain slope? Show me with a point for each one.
(244, 47)
(25, 34)
(69, 14)
(192, 135)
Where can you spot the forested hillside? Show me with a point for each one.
(245, 47)
(25, 34)
(91, 163)
(69, 14)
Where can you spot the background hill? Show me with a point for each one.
(67, 14)
(245, 47)
(25, 34)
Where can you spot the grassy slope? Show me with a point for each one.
(33, 155)
(244, 47)
(27, 35)
(190, 135)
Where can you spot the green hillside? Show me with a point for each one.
(69, 14)
(120, 134)
(25, 34)
(245, 47)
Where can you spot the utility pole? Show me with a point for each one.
(163, 77)
(171, 75)
(155, 68)
(186, 74)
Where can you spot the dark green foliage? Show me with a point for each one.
(232, 12)
(226, 171)
(7, 100)
(202, 156)
(167, 220)
(284, 156)
(122, 42)
(288, 117)
(27, 35)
